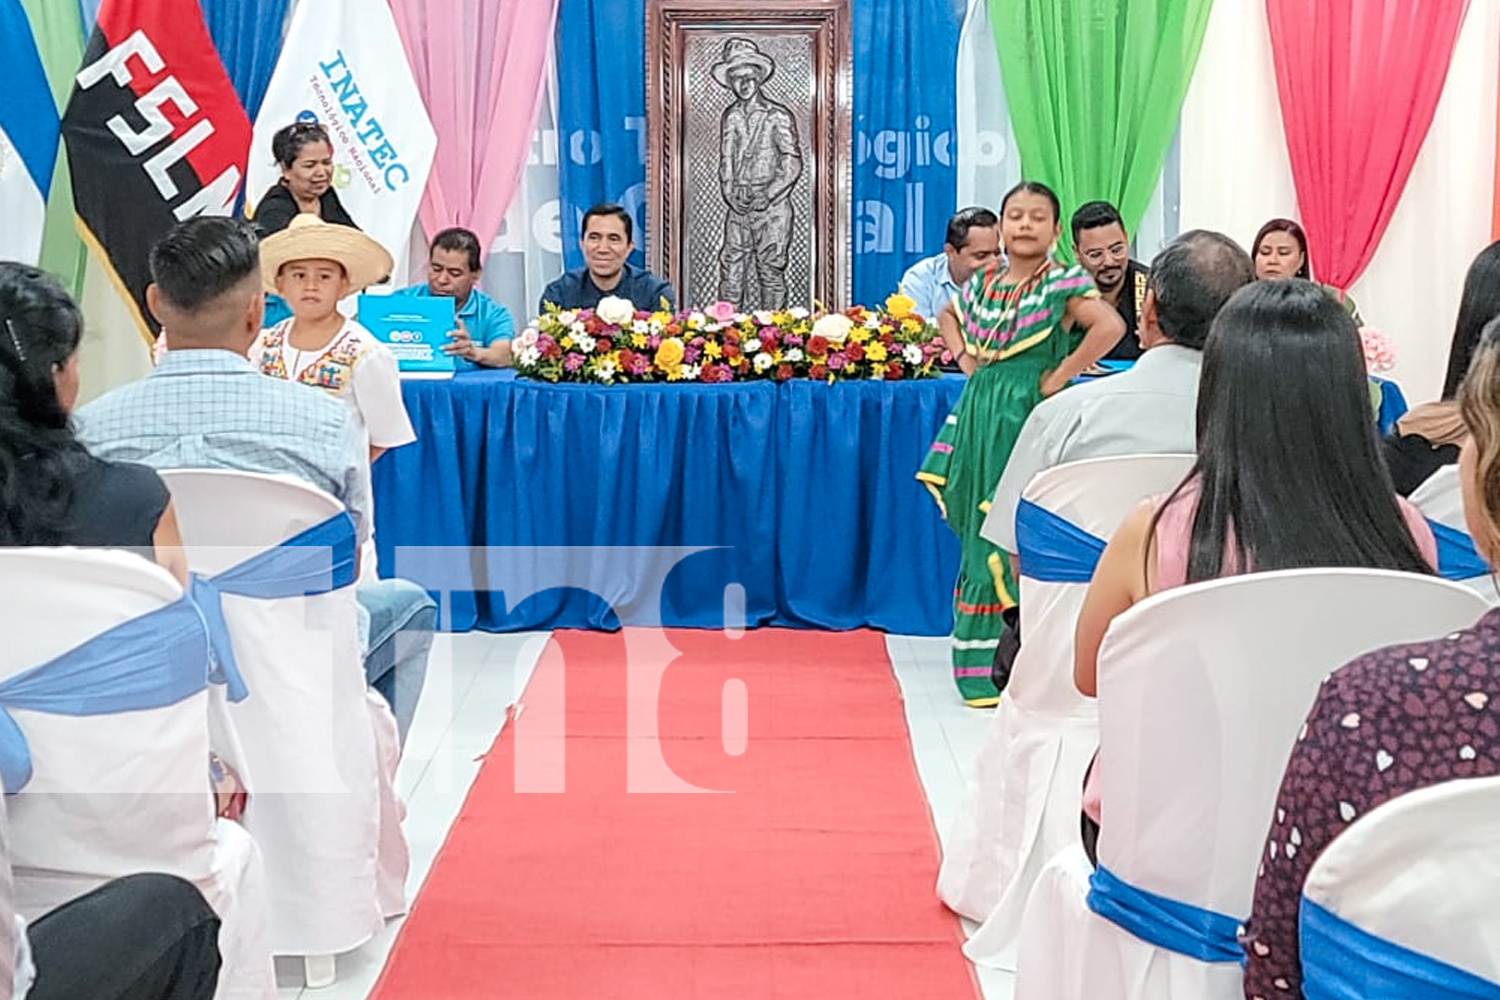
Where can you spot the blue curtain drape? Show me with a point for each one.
(248, 35)
(905, 116)
(905, 143)
(601, 114)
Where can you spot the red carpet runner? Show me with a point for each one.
(810, 876)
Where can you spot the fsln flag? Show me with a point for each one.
(344, 66)
(28, 138)
(154, 132)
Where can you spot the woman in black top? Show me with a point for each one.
(52, 491)
(305, 156)
(1428, 437)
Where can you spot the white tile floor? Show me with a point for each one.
(473, 678)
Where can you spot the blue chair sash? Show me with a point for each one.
(1166, 923)
(1343, 962)
(1457, 558)
(319, 560)
(151, 661)
(1054, 550)
(1392, 404)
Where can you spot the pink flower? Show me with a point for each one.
(836, 361)
(721, 311)
(573, 362)
(1380, 356)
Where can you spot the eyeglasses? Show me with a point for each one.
(1097, 256)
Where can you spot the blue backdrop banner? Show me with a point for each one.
(247, 34)
(905, 122)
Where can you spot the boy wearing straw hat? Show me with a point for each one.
(313, 264)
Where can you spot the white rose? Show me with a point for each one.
(834, 327)
(567, 318)
(764, 317)
(585, 342)
(798, 313)
(615, 310)
(530, 355)
(763, 361)
(752, 345)
(794, 354)
(912, 353)
(527, 338)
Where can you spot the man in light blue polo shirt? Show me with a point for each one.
(485, 328)
(971, 243)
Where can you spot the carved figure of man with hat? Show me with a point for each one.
(760, 160)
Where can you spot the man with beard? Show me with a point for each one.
(1103, 248)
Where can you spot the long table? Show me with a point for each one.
(538, 506)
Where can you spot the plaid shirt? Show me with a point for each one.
(210, 409)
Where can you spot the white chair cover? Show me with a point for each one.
(1202, 691)
(1420, 871)
(1020, 804)
(312, 758)
(1440, 499)
(114, 795)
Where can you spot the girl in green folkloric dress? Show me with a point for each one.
(1015, 329)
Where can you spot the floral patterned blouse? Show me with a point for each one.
(1391, 722)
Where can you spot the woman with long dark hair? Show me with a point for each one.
(1021, 330)
(52, 491)
(1280, 251)
(1431, 704)
(1288, 476)
(1428, 436)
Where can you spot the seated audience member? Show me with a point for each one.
(1283, 388)
(1429, 435)
(304, 154)
(52, 491)
(1149, 409)
(142, 937)
(971, 244)
(313, 265)
(1103, 248)
(206, 406)
(485, 329)
(606, 242)
(1429, 704)
(1280, 251)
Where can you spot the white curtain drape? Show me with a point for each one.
(1236, 175)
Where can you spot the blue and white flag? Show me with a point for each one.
(29, 130)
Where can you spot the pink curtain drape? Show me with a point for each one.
(480, 66)
(1359, 81)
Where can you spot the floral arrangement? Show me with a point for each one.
(617, 344)
(1380, 356)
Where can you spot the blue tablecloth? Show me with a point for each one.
(569, 506)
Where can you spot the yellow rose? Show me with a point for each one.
(875, 352)
(669, 354)
(900, 306)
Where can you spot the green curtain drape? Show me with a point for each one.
(58, 31)
(1095, 89)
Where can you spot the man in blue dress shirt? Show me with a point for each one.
(606, 243)
(485, 328)
(972, 242)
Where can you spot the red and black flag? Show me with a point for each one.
(155, 134)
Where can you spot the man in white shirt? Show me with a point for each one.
(1150, 409)
(971, 244)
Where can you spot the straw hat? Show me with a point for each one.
(310, 238)
(741, 52)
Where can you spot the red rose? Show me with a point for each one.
(818, 372)
(730, 351)
(855, 352)
(604, 345)
(593, 324)
(817, 344)
(894, 371)
(768, 343)
(783, 372)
